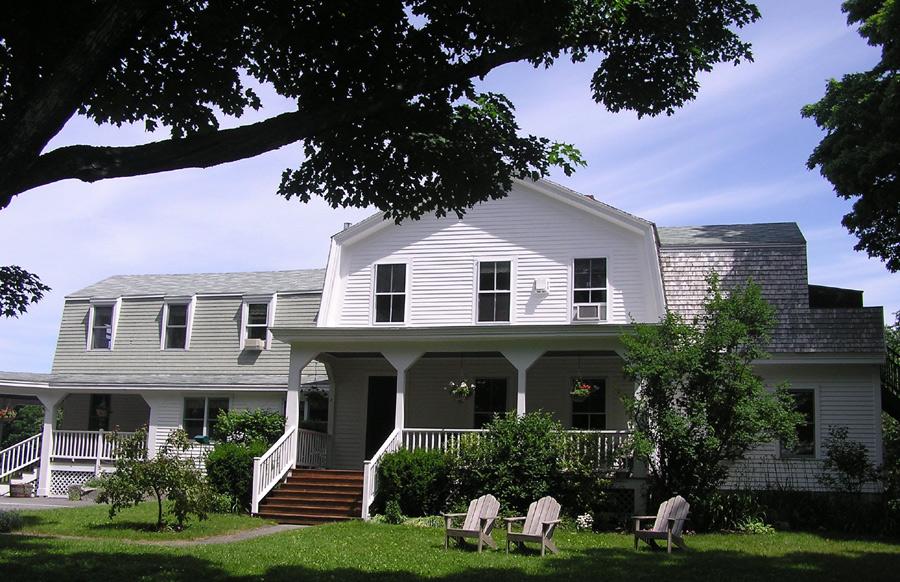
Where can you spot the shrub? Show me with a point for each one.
(229, 469)
(170, 476)
(752, 525)
(10, 521)
(847, 466)
(392, 513)
(248, 426)
(28, 422)
(521, 459)
(416, 480)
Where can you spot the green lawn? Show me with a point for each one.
(359, 551)
(134, 523)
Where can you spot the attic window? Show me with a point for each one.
(176, 328)
(257, 319)
(101, 333)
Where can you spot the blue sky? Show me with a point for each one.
(736, 154)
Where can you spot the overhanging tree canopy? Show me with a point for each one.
(387, 109)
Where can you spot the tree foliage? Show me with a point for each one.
(860, 153)
(19, 289)
(171, 478)
(249, 426)
(28, 422)
(699, 405)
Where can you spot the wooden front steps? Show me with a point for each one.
(314, 496)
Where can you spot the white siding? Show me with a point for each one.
(541, 236)
(845, 396)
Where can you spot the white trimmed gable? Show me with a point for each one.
(540, 228)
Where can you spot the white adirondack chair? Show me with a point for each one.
(541, 521)
(668, 524)
(479, 522)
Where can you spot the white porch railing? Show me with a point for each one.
(20, 455)
(312, 448)
(273, 465)
(79, 445)
(393, 442)
(604, 447)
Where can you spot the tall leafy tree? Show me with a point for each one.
(699, 405)
(387, 111)
(860, 153)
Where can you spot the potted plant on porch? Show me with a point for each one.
(461, 390)
(581, 390)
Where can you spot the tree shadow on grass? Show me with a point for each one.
(35, 559)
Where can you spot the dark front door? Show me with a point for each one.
(380, 411)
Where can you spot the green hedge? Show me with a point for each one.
(416, 480)
(229, 470)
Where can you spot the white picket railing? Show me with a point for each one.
(80, 445)
(273, 465)
(20, 455)
(393, 442)
(437, 438)
(604, 447)
(312, 448)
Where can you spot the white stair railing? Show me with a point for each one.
(370, 469)
(312, 448)
(272, 466)
(20, 456)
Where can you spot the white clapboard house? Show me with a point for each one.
(521, 296)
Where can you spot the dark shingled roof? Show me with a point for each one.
(764, 234)
(24, 377)
(252, 283)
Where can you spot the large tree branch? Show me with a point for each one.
(92, 163)
(45, 112)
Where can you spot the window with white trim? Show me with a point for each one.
(257, 321)
(201, 415)
(590, 413)
(589, 289)
(494, 295)
(390, 293)
(805, 404)
(101, 327)
(175, 328)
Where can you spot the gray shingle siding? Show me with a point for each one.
(781, 272)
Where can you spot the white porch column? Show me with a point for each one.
(50, 402)
(299, 359)
(522, 359)
(401, 361)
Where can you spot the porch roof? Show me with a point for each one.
(432, 338)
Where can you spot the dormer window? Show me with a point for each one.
(494, 280)
(390, 293)
(102, 325)
(589, 290)
(176, 328)
(257, 319)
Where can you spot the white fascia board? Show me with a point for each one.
(328, 290)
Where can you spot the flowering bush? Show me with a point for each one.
(460, 390)
(584, 522)
(581, 389)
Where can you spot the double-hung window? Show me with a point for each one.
(590, 413)
(494, 284)
(589, 289)
(102, 325)
(176, 325)
(258, 321)
(390, 293)
(201, 416)
(805, 404)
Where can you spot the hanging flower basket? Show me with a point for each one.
(461, 390)
(581, 390)
(7, 414)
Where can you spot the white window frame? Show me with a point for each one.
(189, 323)
(271, 301)
(783, 453)
(374, 313)
(513, 267)
(572, 289)
(206, 398)
(116, 305)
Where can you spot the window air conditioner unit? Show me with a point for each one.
(590, 312)
(254, 345)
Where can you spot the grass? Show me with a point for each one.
(135, 523)
(359, 551)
